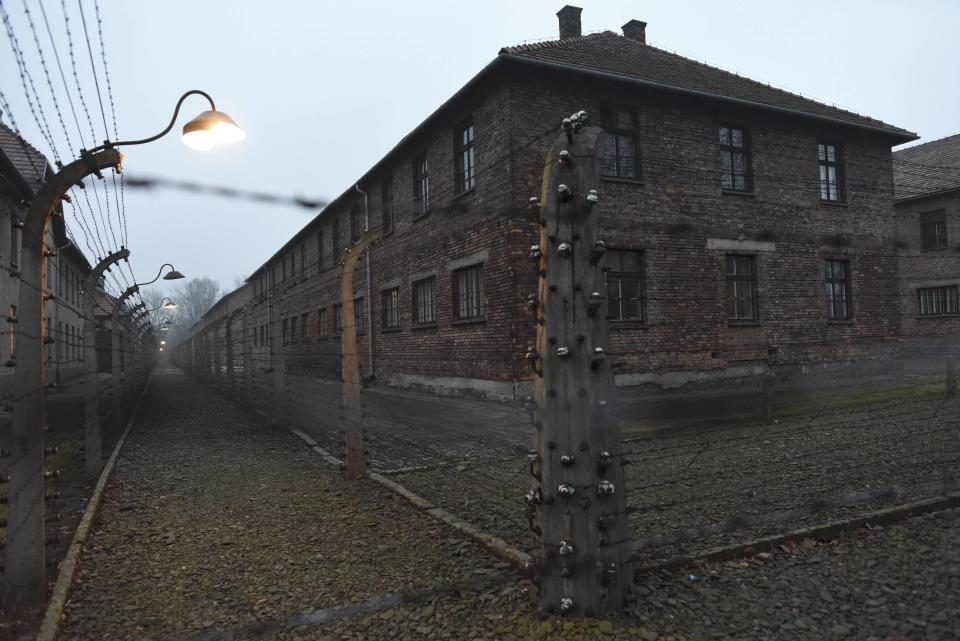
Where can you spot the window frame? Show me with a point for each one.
(358, 316)
(621, 273)
(321, 322)
(753, 279)
(421, 185)
(745, 149)
(609, 113)
(464, 151)
(415, 302)
(390, 309)
(947, 299)
(925, 222)
(825, 164)
(479, 294)
(831, 283)
(387, 220)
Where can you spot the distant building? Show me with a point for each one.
(751, 228)
(927, 187)
(22, 171)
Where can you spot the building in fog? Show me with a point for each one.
(751, 228)
(927, 186)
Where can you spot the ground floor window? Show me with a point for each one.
(468, 293)
(938, 301)
(391, 308)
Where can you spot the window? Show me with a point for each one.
(391, 308)
(465, 156)
(421, 185)
(355, 224)
(468, 293)
(303, 260)
(293, 329)
(620, 151)
(423, 301)
(320, 250)
(837, 279)
(285, 329)
(938, 301)
(303, 326)
(386, 198)
(741, 288)
(12, 321)
(263, 335)
(829, 155)
(933, 230)
(624, 284)
(358, 314)
(322, 322)
(335, 237)
(734, 158)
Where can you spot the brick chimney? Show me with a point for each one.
(569, 21)
(635, 30)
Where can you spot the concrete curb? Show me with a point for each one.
(885, 516)
(500, 548)
(61, 590)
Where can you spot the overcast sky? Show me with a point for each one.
(324, 89)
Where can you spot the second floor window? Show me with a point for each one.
(386, 200)
(303, 325)
(391, 308)
(742, 288)
(465, 158)
(837, 279)
(421, 185)
(620, 150)
(322, 322)
(468, 293)
(423, 301)
(829, 157)
(933, 230)
(624, 284)
(734, 158)
(938, 301)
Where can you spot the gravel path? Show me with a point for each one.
(213, 518)
(884, 584)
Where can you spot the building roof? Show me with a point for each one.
(611, 54)
(927, 169)
(24, 158)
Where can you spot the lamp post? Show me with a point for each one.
(119, 381)
(25, 563)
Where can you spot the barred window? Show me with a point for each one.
(322, 322)
(933, 230)
(386, 199)
(938, 301)
(734, 158)
(468, 293)
(620, 150)
(742, 288)
(358, 314)
(423, 301)
(837, 279)
(830, 172)
(465, 158)
(624, 284)
(391, 308)
(421, 185)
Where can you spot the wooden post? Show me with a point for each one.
(356, 465)
(91, 386)
(247, 357)
(577, 499)
(25, 577)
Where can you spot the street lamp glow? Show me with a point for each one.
(211, 128)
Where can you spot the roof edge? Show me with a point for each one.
(902, 137)
(932, 194)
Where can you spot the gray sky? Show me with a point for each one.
(324, 89)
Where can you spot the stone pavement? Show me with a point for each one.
(217, 525)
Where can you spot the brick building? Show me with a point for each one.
(927, 187)
(22, 170)
(750, 228)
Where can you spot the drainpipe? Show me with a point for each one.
(366, 228)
